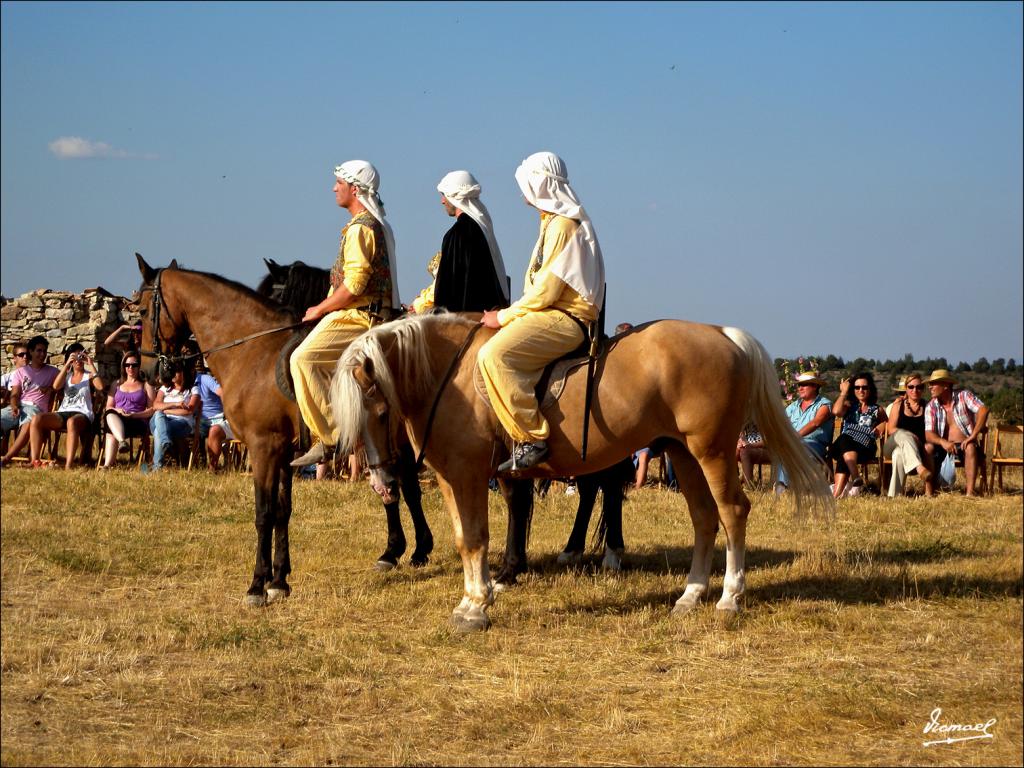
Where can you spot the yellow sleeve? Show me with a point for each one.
(425, 301)
(547, 289)
(360, 244)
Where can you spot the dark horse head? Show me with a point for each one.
(296, 286)
(162, 334)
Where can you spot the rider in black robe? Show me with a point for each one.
(466, 279)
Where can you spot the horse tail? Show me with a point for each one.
(807, 480)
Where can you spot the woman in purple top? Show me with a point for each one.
(129, 406)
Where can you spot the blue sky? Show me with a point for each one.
(835, 178)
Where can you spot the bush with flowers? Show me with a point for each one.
(788, 371)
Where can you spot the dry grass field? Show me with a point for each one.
(125, 641)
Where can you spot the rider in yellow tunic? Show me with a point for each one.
(363, 275)
(562, 294)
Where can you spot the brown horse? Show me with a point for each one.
(176, 302)
(686, 385)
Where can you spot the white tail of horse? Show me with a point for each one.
(765, 408)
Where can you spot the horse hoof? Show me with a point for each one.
(276, 594)
(727, 618)
(471, 620)
(255, 601)
(570, 558)
(418, 561)
(685, 604)
(612, 559)
(384, 565)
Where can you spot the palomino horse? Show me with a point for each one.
(691, 386)
(298, 286)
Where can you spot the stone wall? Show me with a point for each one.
(63, 318)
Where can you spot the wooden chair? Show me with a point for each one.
(1007, 450)
(236, 456)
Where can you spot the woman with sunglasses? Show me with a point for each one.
(863, 420)
(905, 444)
(74, 414)
(129, 406)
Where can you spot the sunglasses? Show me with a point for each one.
(131, 365)
(21, 354)
(861, 388)
(915, 386)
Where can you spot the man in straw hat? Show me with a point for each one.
(562, 297)
(811, 416)
(468, 272)
(364, 287)
(953, 422)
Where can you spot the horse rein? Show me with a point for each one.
(449, 374)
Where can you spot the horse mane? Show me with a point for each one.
(303, 285)
(407, 337)
(248, 292)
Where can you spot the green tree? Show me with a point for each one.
(998, 365)
(982, 365)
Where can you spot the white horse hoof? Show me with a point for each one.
(686, 603)
(275, 595)
(570, 558)
(612, 559)
(384, 566)
(499, 586)
(472, 619)
(727, 618)
(255, 601)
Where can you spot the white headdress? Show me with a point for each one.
(545, 185)
(366, 180)
(463, 191)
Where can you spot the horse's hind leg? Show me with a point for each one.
(733, 509)
(278, 588)
(410, 481)
(586, 488)
(704, 514)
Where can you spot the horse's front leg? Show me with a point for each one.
(467, 504)
(410, 481)
(278, 589)
(262, 477)
(519, 500)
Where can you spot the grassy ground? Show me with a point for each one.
(124, 638)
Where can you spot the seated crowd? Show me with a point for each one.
(40, 399)
(914, 434)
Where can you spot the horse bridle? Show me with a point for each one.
(163, 360)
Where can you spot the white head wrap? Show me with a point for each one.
(463, 191)
(545, 185)
(366, 180)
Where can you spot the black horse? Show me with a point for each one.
(298, 286)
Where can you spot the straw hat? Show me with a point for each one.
(901, 385)
(941, 376)
(809, 378)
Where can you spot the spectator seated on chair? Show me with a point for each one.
(863, 421)
(174, 411)
(750, 450)
(641, 461)
(905, 441)
(76, 380)
(128, 410)
(954, 421)
(213, 427)
(31, 393)
(19, 353)
(811, 417)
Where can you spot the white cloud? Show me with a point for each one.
(73, 147)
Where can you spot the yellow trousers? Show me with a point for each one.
(512, 362)
(313, 363)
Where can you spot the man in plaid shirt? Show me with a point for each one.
(953, 422)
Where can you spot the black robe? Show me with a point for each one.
(466, 279)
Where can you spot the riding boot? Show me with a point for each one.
(315, 455)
